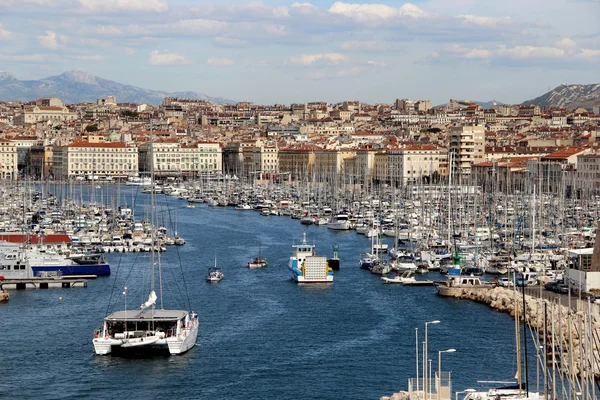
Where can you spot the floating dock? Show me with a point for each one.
(22, 284)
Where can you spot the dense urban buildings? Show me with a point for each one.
(405, 143)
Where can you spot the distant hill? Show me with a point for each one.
(79, 86)
(570, 96)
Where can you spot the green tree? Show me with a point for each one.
(91, 128)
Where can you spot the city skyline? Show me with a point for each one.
(268, 52)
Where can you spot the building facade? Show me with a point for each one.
(466, 147)
(85, 159)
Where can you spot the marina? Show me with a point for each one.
(261, 296)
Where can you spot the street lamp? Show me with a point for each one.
(465, 391)
(439, 385)
(425, 357)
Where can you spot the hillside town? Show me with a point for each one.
(402, 143)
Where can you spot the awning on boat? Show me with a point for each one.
(147, 314)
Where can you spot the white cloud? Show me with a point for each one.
(336, 74)
(477, 54)
(364, 45)
(4, 34)
(566, 43)
(220, 61)
(308, 59)
(129, 51)
(229, 42)
(588, 54)
(109, 30)
(49, 41)
(377, 63)
(528, 52)
(124, 5)
(376, 12)
(23, 58)
(158, 58)
(490, 22)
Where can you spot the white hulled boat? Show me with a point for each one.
(307, 267)
(341, 222)
(149, 329)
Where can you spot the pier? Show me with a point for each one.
(22, 284)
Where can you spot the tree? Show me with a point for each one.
(434, 130)
(129, 113)
(91, 128)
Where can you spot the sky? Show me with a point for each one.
(282, 52)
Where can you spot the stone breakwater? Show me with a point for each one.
(575, 334)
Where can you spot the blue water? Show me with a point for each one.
(261, 335)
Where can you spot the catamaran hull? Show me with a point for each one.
(96, 269)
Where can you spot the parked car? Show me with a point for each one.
(505, 282)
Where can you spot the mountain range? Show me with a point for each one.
(570, 96)
(79, 86)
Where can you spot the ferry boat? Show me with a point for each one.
(307, 267)
(19, 262)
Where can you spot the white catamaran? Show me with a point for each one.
(149, 328)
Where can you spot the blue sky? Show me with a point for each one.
(283, 52)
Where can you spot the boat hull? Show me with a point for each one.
(96, 269)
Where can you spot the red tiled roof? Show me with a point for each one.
(113, 145)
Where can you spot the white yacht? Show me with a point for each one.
(340, 222)
(137, 181)
(149, 328)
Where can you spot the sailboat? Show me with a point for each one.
(258, 262)
(149, 328)
(214, 274)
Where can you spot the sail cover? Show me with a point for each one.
(151, 300)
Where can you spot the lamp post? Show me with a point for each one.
(417, 355)
(464, 391)
(439, 385)
(425, 357)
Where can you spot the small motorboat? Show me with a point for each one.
(4, 296)
(190, 205)
(404, 278)
(257, 262)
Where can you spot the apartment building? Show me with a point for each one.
(467, 147)
(297, 162)
(171, 158)
(94, 159)
(8, 159)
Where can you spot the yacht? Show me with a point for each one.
(149, 328)
(214, 274)
(340, 222)
(137, 181)
(307, 267)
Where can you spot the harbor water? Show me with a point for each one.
(261, 336)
